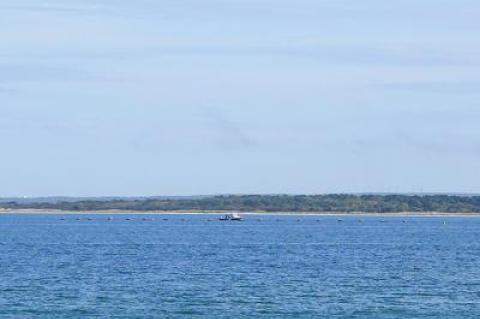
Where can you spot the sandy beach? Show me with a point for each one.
(210, 212)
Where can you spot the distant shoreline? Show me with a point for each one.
(210, 212)
(327, 204)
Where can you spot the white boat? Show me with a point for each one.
(232, 217)
(235, 216)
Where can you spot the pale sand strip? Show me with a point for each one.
(209, 212)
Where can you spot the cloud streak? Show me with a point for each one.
(54, 8)
(34, 72)
(4, 89)
(321, 54)
(447, 87)
(228, 133)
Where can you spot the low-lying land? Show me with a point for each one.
(297, 204)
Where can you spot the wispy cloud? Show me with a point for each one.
(36, 122)
(460, 87)
(53, 7)
(17, 72)
(4, 89)
(364, 55)
(229, 134)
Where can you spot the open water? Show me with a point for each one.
(180, 266)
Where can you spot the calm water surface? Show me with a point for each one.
(265, 267)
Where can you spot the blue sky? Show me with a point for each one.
(152, 97)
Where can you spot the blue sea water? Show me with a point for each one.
(80, 266)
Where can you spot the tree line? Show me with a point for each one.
(275, 203)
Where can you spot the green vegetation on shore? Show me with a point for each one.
(273, 203)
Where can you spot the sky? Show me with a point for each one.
(188, 97)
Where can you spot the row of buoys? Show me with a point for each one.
(111, 218)
(209, 220)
